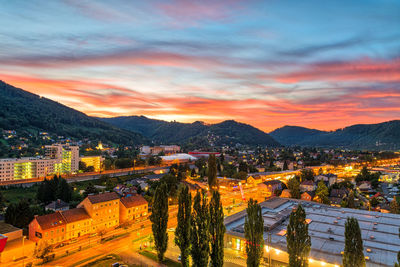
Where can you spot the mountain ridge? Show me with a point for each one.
(27, 112)
(228, 132)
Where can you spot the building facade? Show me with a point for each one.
(95, 161)
(60, 159)
(133, 208)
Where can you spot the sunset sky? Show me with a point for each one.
(319, 64)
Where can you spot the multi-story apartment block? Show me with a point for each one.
(60, 159)
(133, 208)
(95, 161)
(93, 214)
(103, 209)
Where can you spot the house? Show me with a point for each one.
(57, 205)
(329, 178)
(339, 193)
(103, 209)
(78, 222)
(273, 185)
(49, 227)
(307, 185)
(286, 193)
(133, 208)
(365, 186)
(10, 231)
(308, 195)
(254, 180)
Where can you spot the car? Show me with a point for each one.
(115, 264)
(93, 234)
(72, 241)
(171, 229)
(59, 245)
(179, 258)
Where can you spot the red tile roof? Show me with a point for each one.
(133, 201)
(52, 220)
(74, 215)
(104, 197)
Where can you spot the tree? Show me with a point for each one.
(373, 202)
(322, 193)
(394, 206)
(2, 201)
(90, 189)
(285, 165)
(297, 239)
(350, 200)
(199, 234)
(217, 230)
(243, 167)
(353, 255)
(253, 232)
(159, 219)
(306, 174)
(294, 187)
(212, 172)
(42, 249)
(182, 232)
(19, 215)
(64, 191)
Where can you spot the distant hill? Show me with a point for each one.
(24, 111)
(380, 136)
(225, 133)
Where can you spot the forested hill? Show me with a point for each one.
(197, 133)
(27, 112)
(380, 136)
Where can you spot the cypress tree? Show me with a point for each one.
(64, 191)
(253, 232)
(353, 247)
(212, 172)
(182, 233)
(159, 219)
(200, 249)
(217, 230)
(297, 239)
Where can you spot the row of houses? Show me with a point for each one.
(95, 213)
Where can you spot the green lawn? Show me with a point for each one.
(106, 261)
(14, 194)
(153, 256)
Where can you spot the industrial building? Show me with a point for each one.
(326, 228)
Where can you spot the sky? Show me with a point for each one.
(318, 64)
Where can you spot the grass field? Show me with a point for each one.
(16, 193)
(153, 256)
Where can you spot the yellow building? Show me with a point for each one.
(95, 161)
(103, 209)
(78, 222)
(133, 208)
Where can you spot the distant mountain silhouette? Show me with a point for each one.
(30, 113)
(380, 136)
(225, 133)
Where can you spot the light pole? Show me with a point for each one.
(23, 251)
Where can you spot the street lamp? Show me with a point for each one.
(23, 251)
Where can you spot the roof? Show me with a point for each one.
(179, 156)
(74, 215)
(7, 228)
(326, 228)
(310, 193)
(104, 197)
(52, 220)
(133, 201)
(272, 182)
(308, 182)
(57, 204)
